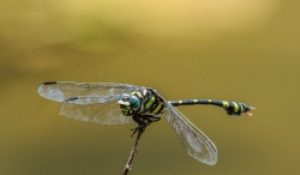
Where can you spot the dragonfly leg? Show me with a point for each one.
(143, 121)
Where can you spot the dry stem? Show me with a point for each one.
(133, 152)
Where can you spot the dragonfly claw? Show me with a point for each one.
(135, 130)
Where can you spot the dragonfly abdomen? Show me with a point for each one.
(232, 107)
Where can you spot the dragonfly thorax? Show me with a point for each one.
(129, 104)
(141, 102)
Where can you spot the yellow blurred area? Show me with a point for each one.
(240, 50)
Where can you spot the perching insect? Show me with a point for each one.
(114, 103)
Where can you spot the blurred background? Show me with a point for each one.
(242, 50)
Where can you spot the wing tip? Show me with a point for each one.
(49, 92)
(49, 82)
(210, 159)
(40, 89)
(46, 83)
(212, 163)
(41, 85)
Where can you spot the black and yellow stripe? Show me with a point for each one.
(232, 107)
(151, 103)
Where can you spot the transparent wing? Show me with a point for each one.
(84, 93)
(89, 102)
(195, 142)
(108, 114)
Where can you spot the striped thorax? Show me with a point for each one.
(142, 102)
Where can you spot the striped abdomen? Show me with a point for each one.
(232, 107)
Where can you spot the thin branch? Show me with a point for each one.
(133, 152)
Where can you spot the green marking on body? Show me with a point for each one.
(150, 102)
(158, 107)
(236, 107)
(195, 100)
(242, 108)
(209, 100)
(136, 93)
(139, 94)
(225, 104)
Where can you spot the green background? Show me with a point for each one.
(242, 50)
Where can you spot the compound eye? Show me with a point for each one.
(125, 98)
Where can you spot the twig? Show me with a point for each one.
(133, 152)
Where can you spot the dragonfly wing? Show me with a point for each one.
(108, 114)
(84, 93)
(89, 102)
(195, 142)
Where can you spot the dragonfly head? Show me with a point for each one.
(129, 104)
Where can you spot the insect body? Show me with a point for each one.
(143, 105)
(114, 103)
(141, 102)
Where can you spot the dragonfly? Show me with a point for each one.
(118, 104)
